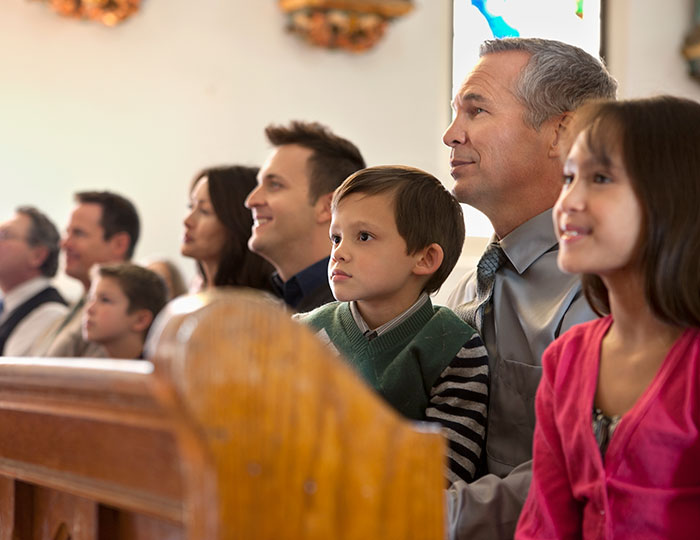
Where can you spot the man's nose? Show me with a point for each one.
(454, 134)
(253, 198)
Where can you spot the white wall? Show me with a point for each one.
(645, 39)
(188, 83)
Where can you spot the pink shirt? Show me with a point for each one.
(649, 485)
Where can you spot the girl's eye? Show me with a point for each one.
(364, 236)
(567, 179)
(335, 239)
(601, 179)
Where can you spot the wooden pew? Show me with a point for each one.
(243, 426)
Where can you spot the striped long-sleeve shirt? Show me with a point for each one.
(429, 365)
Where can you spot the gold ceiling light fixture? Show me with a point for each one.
(108, 12)
(352, 25)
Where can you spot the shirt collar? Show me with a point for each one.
(393, 323)
(302, 283)
(22, 292)
(528, 242)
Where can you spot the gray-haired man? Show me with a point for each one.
(508, 139)
(28, 260)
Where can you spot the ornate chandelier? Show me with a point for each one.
(353, 25)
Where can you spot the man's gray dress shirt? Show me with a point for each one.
(533, 303)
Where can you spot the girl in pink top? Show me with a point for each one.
(617, 440)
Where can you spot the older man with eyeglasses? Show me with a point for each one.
(29, 246)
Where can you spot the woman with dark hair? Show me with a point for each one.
(217, 228)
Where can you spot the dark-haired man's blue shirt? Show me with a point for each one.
(307, 289)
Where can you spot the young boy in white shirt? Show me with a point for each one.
(397, 234)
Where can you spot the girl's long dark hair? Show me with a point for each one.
(659, 140)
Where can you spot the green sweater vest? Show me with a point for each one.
(404, 363)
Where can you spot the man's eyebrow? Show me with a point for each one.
(269, 176)
(470, 97)
(473, 96)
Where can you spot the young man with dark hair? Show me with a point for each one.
(394, 242)
(28, 260)
(291, 208)
(123, 301)
(103, 228)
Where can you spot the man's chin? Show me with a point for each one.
(256, 245)
(76, 273)
(462, 193)
(261, 247)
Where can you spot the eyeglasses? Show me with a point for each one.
(7, 234)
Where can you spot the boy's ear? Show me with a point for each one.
(322, 208)
(561, 135)
(142, 320)
(428, 260)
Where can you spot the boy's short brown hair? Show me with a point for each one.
(425, 212)
(143, 288)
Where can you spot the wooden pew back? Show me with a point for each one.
(243, 426)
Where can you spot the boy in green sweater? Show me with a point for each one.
(397, 234)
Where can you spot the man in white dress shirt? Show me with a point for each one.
(29, 246)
